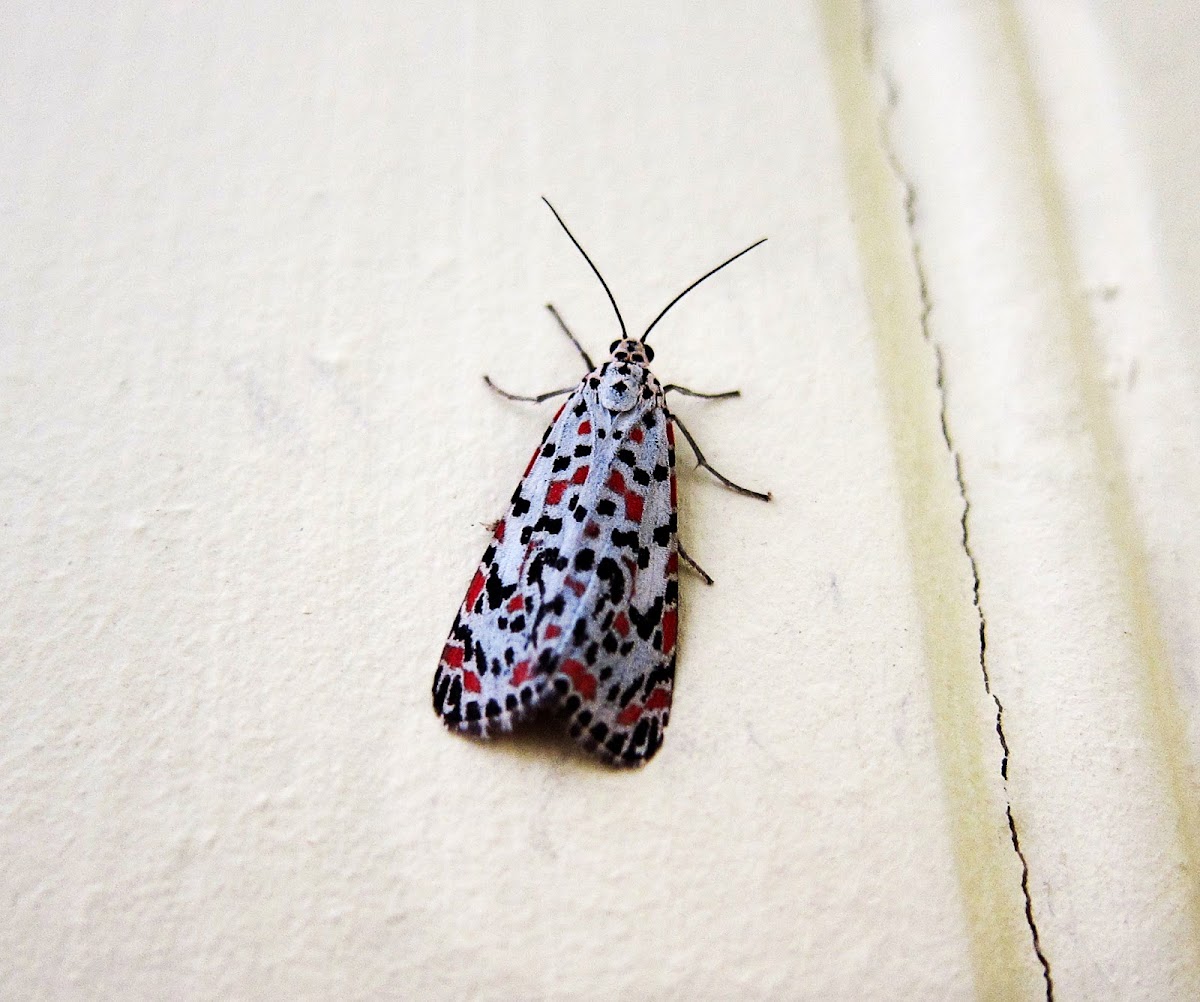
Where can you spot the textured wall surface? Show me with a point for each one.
(936, 727)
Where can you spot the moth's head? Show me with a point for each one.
(629, 350)
(626, 377)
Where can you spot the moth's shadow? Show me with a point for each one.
(545, 738)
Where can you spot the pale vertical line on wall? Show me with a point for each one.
(988, 871)
(1167, 720)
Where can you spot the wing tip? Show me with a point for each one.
(630, 758)
(618, 748)
(506, 723)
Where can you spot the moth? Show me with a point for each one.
(574, 608)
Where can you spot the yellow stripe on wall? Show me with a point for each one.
(989, 871)
(1166, 721)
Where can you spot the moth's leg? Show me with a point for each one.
(695, 393)
(531, 400)
(686, 557)
(701, 461)
(552, 393)
(574, 340)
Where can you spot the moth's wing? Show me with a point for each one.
(496, 663)
(615, 670)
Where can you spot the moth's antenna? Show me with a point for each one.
(620, 319)
(697, 282)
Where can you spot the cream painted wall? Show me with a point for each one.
(253, 262)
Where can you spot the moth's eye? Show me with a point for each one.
(613, 347)
(649, 352)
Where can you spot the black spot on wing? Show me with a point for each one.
(646, 622)
(610, 572)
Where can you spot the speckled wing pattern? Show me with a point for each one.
(574, 607)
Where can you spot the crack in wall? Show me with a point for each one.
(892, 98)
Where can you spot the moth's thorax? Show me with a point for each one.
(625, 380)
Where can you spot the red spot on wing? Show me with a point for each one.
(474, 590)
(532, 545)
(633, 571)
(620, 624)
(555, 492)
(659, 699)
(471, 681)
(673, 563)
(500, 531)
(633, 500)
(552, 631)
(520, 673)
(516, 603)
(591, 530)
(674, 494)
(578, 674)
(630, 715)
(452, 656)
(585, 428)
(637, 434)
(671, 433)
(578, 587)
(580, 475)
(670, 622)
